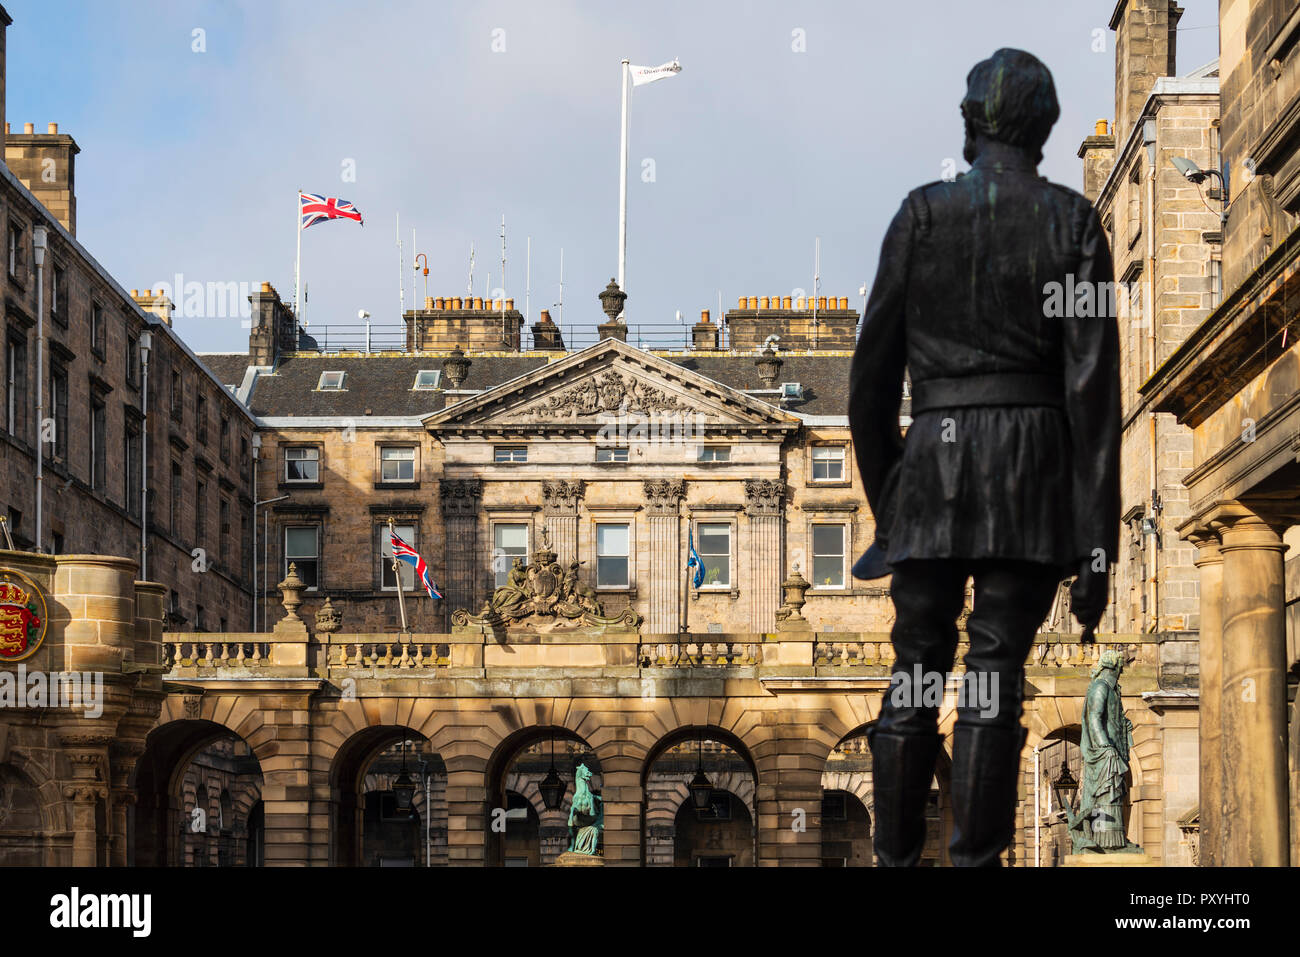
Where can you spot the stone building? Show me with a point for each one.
(1234, 383)
(99, 436)
(1166, 244)
(620, 456)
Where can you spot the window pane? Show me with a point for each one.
(397, 464)
(611, 572)
(611, 539)
(510, 541)
(714, 546)
(828, 556)
(300, 542)
(407, 534)
(828, 464)
(715, 453)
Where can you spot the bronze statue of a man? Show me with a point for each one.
(1009, 470)
(1105, 742)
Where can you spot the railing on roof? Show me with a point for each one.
(393, 337)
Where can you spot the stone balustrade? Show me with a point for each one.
(1159, 660)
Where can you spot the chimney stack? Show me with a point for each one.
(1145, 47)
(45, 163)
(5, 20)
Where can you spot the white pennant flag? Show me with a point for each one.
(648, 74)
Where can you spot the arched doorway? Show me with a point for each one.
(388, 792)
(196, 785)
(522, 830)
(848, 807)
(719, 832)
(22, 825)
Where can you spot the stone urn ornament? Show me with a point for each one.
(291, 592)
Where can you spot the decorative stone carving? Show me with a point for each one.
(543, 590)
(456, 367)
(291, 593)
(769, 367)
(795, 587)
(611, 392)
(663, 496)
(562, 495)
(764, 496)
(612, 299)
(328, 618)
(460, 496)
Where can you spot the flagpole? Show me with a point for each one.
(397, 574)
(622, 190)
(297, 264)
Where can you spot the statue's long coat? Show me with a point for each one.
(962, 300)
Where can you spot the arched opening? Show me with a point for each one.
(848, 807)
(22, 829)
(195, 786)
(719, 830)
(522, 830)
(388, 801)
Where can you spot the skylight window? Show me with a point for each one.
(330, 381)
(427, 379)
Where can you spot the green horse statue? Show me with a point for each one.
(586, 815)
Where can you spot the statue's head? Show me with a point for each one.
(1010, 98)
(517, 563)
(582, 773)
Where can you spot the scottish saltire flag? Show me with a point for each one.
(693, 560)
(404, 552)
(316, 209)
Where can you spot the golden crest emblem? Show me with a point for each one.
(24, 618)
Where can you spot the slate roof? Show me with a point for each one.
(380, 385)
(227, 366)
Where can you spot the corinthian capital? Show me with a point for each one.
(460, 496)
(764, 496)
(563, 495)
(664, 496)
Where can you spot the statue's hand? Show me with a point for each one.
(1089, 594)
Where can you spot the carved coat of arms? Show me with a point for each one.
(23, 616)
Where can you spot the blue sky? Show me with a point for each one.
(190, 161)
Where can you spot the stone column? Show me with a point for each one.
(125, 755)
(789, 799)
(87, 756)
(623, 796)
(1209, 560)
(560, 510)
(765, 506)
(667, 568)
(285, 759)
(460, 507)
(1255, 818)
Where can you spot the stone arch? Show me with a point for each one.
(25, 819)
(517, 764)
(349, 771)
(155, 831)
(731, 768)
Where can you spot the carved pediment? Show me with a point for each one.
(598, 385)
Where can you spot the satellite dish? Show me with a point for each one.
(362, 314)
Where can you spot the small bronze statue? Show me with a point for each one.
(1009, 472)
(1105, 742)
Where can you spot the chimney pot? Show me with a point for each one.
(785, 302)
(134, 293)
(455, 302)
(6, 128)
(1102, 128)
(821, 302)
(53, 127)
(510, 304)
(704, 315)
(844, 302)
(428, 302)
(28, 128)
(762, 302)
(741, 304)
(753, 302)
(546, 315)
(478, 302)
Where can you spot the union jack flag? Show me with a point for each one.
(404, 552)
(316, 209)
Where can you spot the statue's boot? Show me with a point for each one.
(986, 762)
(902, 767)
